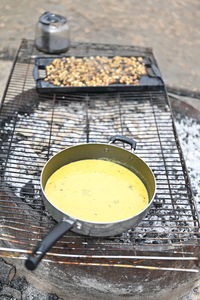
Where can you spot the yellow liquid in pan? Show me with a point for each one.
(96, 191)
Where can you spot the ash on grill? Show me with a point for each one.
(189, 132)
(34, 127)
(51, 127)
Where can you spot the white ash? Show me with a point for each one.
(36, 138)
(189, 135)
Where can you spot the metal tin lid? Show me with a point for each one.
(49, 18)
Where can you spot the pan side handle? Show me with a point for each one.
(123, 139)
(49, 240)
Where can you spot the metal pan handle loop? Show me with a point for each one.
(123, 139)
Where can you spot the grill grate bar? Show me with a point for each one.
(34, 127)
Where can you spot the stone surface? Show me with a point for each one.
(7, 272)
(19, 283)
(10, 293)
(15, 287)
(193, 295)
(193, 102)
(52, 297)
(32, 293)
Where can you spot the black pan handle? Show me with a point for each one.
(49, 240)
(123, 139)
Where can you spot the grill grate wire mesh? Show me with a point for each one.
(34, 127)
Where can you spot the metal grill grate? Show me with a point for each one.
(34, 127)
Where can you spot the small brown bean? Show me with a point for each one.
(95, 71)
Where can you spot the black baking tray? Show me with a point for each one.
(151, 81)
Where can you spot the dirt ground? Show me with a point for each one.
(170, 27)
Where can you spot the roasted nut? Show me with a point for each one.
(95, 71)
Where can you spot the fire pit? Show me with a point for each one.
(34, 127)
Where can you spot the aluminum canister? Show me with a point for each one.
(52, 33)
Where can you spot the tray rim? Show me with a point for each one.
(110, 88)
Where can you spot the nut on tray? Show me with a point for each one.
(96, 74)
(95, 71)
